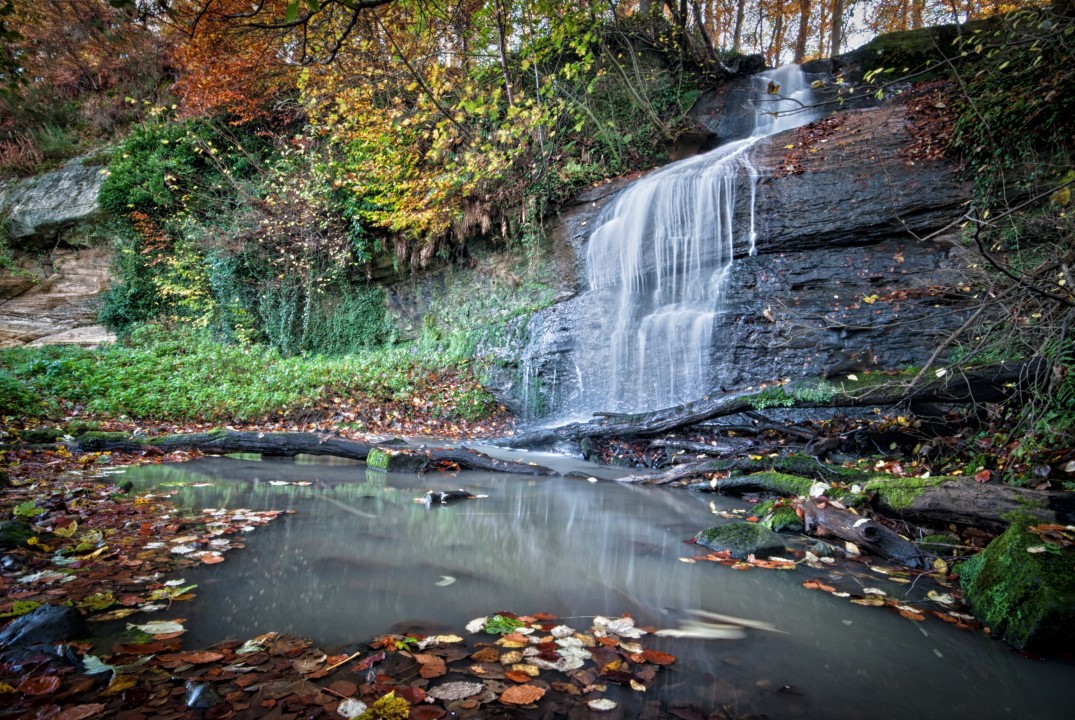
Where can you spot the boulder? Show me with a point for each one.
(741, 539)
(1023, 588)
(46, 625)
(44, 209)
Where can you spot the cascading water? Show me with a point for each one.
(659, 259)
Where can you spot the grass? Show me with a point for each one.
(185, 375)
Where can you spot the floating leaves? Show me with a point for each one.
(521, 695)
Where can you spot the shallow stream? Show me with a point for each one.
(360, 557)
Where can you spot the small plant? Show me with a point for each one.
(502, 624)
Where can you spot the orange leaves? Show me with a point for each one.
(41, 685)
(522, 695)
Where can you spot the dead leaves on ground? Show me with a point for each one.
(542, 662)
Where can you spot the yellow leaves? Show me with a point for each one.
(870, 299)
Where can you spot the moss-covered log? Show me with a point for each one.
(965, 502)
(289, 444)
(990, 384)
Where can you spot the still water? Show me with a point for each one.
(361, 557)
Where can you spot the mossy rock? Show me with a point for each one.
(805, 466)
(396, 461)
(741, 539)
(14, 534)
(784, 519)
(1026, 598)
(40, 436)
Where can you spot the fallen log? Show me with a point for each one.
(988, 384)
(935, 501)
(289, 444)
(966, 502)
(822, 518)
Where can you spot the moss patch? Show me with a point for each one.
(784, 519)
(1027, 598)
(790, 485)
(898, 493)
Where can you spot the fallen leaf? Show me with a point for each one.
(79, 712)
(200, 658)
(601, 705)
(521, 695)
(41, 685)
(455, 690)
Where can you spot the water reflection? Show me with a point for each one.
(360, 556)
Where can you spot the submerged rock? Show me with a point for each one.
(1023, 589)
(741, 539)
(46, 625)
(14, 533)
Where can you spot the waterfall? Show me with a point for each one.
(659, 259)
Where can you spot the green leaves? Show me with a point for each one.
(28, 509)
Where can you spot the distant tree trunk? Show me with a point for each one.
(503, 42)
(737, 35)
(644, 7)
(804, 28)
(837, 27)
(776, 45)
(699, 21)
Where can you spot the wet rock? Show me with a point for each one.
(201, 696)
(396, 461)
(46, 625)
(741, 539)
(827, 238)
(14, 533)
(1023, 589)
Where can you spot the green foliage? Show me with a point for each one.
(28, 509)
(166, 166)
(502, 625)
(17, 397)
(185, 374)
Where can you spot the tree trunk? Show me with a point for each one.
(737, 35)
(289, 444)
(804, 29)
(503, 45)
(837, 27)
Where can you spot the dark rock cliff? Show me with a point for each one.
(857, 252)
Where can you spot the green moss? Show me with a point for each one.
(898, 493)
(388, 707)
(784, 519)
(794, 464)
(1027, 598)
(790, 485)
(96, 436)
(377, 459)
(764, 508)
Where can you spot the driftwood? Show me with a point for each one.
(725, 447)
(823, 518)
(989, 384)
(289, 444)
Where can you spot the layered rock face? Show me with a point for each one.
(59, 240)
(849, 261)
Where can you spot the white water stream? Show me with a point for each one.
(662, 254)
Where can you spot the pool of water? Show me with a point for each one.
(360, 557)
